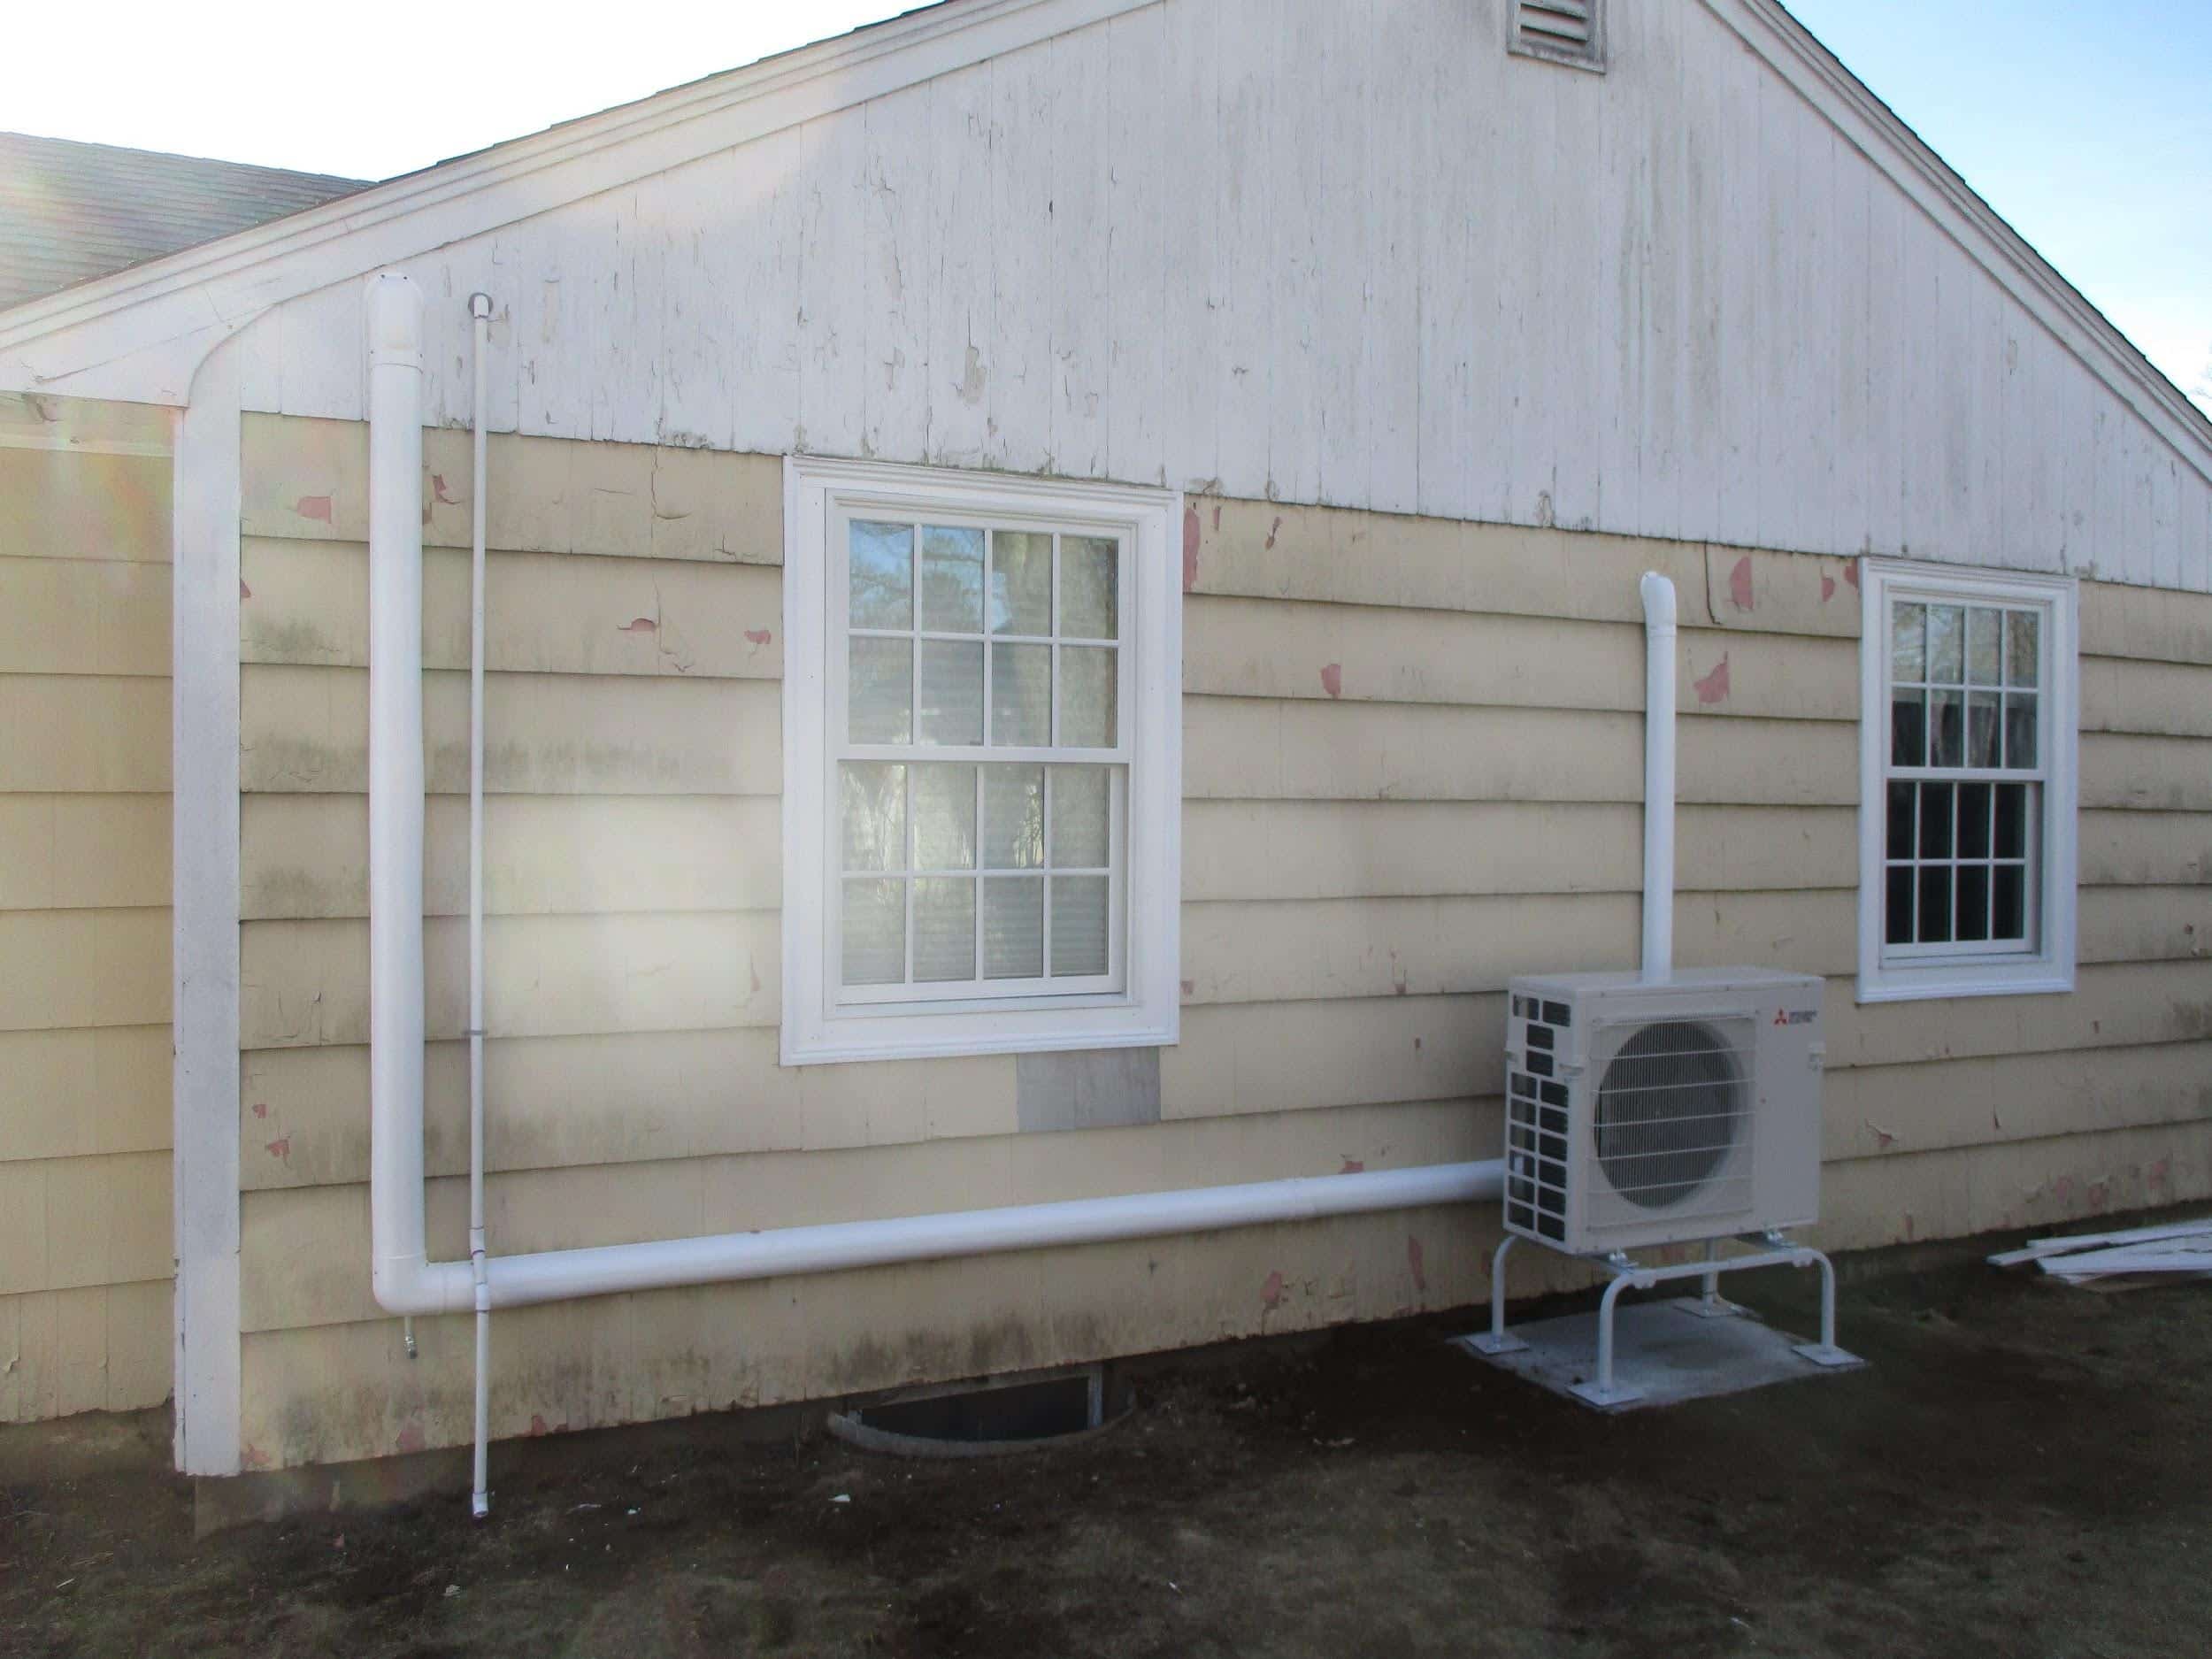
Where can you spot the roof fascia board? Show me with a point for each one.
(139, 333)
(1878, 133)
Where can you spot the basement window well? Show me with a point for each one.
(982, 775)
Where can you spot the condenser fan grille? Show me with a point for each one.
(1670, 1109)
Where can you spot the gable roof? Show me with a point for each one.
(70, 212)
(138, 336)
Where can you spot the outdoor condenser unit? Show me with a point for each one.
(1640, 1114)
(1662, 1107)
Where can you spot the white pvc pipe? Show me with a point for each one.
(1659, 694)
(558, 1275)
(398, 1260)
(481, 313)
(405, 1280)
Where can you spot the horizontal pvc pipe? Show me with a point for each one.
(406, 1281)
(558, 1275)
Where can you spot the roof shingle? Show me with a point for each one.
(70, 212)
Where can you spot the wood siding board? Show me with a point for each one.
(71, 504)
(545, 613)
(1024, 135)
(63, 851)
(84, 1092)
(1081, 348)
(1244, 213)
(306, 855)
(1135, 255)
(64, 616)
(85, 734)
(306, 982)
(307, 729)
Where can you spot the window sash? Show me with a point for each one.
(978, 993)
(1950, 968)
(2036, 868)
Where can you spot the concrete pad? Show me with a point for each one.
(1663, 1352)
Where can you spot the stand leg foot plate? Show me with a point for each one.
(1827, 1354)
(1501, 1342)
(1698, 1308)
(1606, 1398)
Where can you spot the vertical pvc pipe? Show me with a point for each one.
(480, 311)
(1659, 694)
(395, 789)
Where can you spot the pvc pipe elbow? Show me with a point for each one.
(394, 306)
(1659, 603)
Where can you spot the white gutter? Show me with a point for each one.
(1659, 694)
(405, 1280)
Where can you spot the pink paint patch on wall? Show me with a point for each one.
(438, 490)
(281, 1148)
(1713, 687)
(1332, 679)
(1353, 1166)
(639, 624)
(315, 507)
(244, 592)
(1414, 1261)
(1272, 1292)
(758, 636)
(1827, 588)
(1190, 548)
(1739, 584)
(410, 1439)
(1851, 573)
(1272, 528)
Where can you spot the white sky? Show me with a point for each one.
(2095, 141)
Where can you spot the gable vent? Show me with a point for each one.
(1561, 31)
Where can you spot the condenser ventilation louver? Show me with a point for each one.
(1561, 31)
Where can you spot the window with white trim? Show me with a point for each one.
(1967, 757)
(982, 769)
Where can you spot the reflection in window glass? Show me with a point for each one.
(952, 580)
(882, 570)
(1021, 582)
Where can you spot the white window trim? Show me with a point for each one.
(1148, 1011)
(2051, 969)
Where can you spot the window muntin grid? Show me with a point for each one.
(1965, 769)
(979, 777)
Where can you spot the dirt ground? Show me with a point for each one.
(2024, 1470)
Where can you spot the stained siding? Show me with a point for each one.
(1207, 243)
(1413, 769)
(633, 881)
(85, 1251)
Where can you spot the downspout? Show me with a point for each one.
(1659, 695)
(404, 1278)
(481, 313)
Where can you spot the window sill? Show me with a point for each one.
(842, 1041)
(1939, 985)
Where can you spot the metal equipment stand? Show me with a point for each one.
(1768, 1250)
